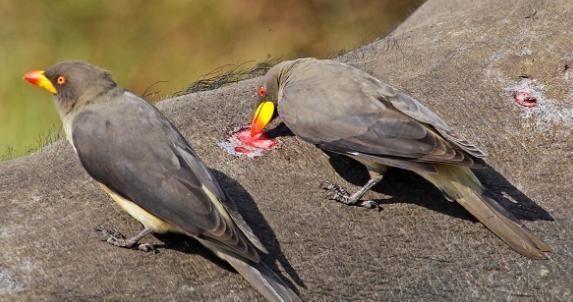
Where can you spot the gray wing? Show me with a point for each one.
(129, 146)
(343, 109)
(416, 110)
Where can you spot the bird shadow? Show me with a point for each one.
(188, 245)
(403, 186)
(281, 130)
(250, 212)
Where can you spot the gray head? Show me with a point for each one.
(274, 78)
(72, 82)
(268, 94)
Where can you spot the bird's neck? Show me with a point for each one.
(68, 113)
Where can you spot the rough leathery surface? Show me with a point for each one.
(459, 57)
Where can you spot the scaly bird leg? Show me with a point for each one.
(337, 193)
(116, 238)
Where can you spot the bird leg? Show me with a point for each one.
(116, 238)
(337, 193)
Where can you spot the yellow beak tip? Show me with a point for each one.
(262, 117)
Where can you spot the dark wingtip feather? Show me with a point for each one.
(265, 280)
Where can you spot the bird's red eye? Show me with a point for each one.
(61, 80)
(262, 91)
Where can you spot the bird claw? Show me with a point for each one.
(114, 237)
(109, 235)
(146, 247)
(369, 204)
(337, 193)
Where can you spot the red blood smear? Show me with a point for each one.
(260, 140)
(244, 150)
(250, 143)
(524, 98)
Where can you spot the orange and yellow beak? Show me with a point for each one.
(38, 78)
(262, 117)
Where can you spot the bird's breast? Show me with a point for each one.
(144, 217)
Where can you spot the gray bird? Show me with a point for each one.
(344, 110)
(148, 168)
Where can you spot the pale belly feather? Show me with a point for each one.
(144, 217)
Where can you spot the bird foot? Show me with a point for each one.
(114, 237)
(337, 193)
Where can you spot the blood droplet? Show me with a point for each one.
(240, 149)
(240, 142)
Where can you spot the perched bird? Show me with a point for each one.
(344, 110)
(148, 168)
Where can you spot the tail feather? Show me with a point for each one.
(261, 277)
(461, 184)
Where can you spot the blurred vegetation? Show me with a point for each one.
(164, 44)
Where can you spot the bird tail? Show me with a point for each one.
(263, 278)
(461, 184)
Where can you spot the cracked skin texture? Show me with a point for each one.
(456, 56)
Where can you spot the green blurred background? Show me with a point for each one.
(144, 42)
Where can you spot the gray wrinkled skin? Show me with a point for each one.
(459, 57)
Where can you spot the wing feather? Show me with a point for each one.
(130, 147)
(345, 110)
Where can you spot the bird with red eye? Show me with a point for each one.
(361, 117)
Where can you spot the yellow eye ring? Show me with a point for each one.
(61, 80)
